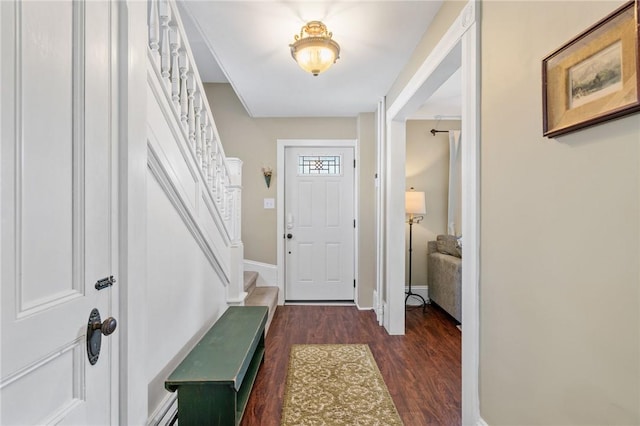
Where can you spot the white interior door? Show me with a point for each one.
(319, 223)
(56, 210)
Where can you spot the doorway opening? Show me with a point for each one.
(462, 37)
(316, 228)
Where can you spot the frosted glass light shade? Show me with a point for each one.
(313, 49)
(414, 202)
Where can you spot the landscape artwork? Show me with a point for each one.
(596, 76)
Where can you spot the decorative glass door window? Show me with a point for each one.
(320, 165)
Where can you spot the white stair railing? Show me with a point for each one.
(174, 62)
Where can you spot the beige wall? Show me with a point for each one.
(367, 206)
(427, 169)
(560, 284)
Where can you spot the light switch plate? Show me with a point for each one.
(269, 203)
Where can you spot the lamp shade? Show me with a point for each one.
(315, 56)
(414, 202)
(313, 49)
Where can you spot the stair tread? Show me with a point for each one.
(262, 296)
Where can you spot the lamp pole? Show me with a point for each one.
(410, 293)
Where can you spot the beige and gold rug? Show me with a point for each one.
(336, 385)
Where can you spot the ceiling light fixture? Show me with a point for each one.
(313, 49)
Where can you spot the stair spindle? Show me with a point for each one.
(219, 176)
(174, 39)
(213, 146)
(165, 50)
(154, 28)
(191, 88)
(184, 97)
(205, 143)
(174, 66)
(196, 123)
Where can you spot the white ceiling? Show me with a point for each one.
(246, 44)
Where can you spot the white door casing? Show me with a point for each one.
(462, 37)
(319, 219)
(57, 211)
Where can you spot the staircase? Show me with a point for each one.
(260, 296)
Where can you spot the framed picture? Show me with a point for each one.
(595, 77)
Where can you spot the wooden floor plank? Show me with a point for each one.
(422, 369)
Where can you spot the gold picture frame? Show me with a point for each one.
(594, 77)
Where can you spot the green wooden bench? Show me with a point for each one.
(215, 379)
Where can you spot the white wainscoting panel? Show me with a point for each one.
(163, 139)
(185, 292)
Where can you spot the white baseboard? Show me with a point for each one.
(384, 313)
(481, 422)
(422, 290)
(267, 273)
(364, 308)
(376, 305)
(166, 411)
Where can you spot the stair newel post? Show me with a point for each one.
(165, 50)
(227, 197)
(196, 124)
(174, 39)
(229, 200)
(237, 211)
(236, 293)
(154, 28)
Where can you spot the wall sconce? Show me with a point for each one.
(267, 172)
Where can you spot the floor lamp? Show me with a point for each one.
(414, 205)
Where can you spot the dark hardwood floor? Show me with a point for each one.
(422, 369)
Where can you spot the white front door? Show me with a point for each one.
(57, 210)
(319, 224)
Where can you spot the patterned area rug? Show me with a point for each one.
(336, 385)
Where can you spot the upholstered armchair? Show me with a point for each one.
(444, 274)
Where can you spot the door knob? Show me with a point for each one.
(289, 236)
(95, 329)
(107, 327)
